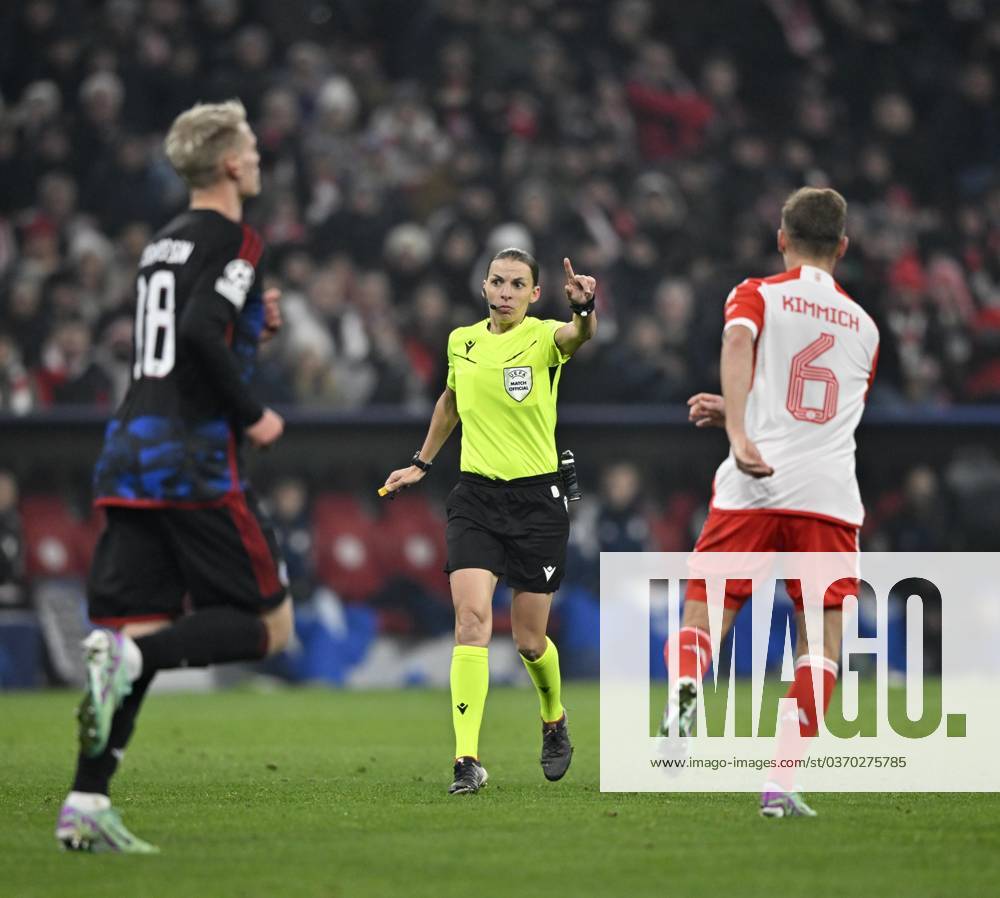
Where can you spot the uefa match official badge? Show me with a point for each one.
(517, 382)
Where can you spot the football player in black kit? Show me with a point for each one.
(187, 572)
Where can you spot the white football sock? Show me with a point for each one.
(133, 658)
(88, 801)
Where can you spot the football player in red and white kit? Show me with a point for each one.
(798, 359)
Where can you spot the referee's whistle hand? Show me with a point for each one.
(266, 430)
(400, 479)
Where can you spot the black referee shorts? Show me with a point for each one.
(518, 529)
(149, 560)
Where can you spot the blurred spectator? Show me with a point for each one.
(613, 518)
(670, 114)
(123, 187)
(407, 251)
(973, 479)
(426, 335)
(40, 251)
(113, 354)
(99, 125)
(17, 394)
(653, 145)
(289, 508)
(644, 369)
(407, 139)
(11, 543)
(69, 373)
(621, 523)
(24, 318)
(249, 71)
(674, 315)
(924, 520)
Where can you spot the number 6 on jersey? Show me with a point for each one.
(803, 373)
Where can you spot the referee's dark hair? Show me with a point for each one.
(813, 219)
(519, 255)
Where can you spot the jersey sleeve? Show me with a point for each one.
(555, 356)
(450, 382)
(210, 317)
(745, 306)
(871, 371)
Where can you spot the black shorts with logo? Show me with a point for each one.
(149, 561)
(518, 529)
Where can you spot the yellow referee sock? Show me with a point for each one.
(544, 673)
(470, 681)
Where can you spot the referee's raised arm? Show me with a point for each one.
(580, 290)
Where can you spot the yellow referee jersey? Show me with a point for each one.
(506, 387)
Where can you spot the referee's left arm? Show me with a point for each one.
(580, 289)
(443, 422)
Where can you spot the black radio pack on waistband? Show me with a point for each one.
(567, 469)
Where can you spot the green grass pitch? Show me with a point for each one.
(340, 794)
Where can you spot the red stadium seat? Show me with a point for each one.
(57, 543)
(344, 545)
(668, 535)
(671, 530)
(412, 542)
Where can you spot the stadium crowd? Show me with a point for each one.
(404, 143)
(651, 142)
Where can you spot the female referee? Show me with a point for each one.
(507, 517)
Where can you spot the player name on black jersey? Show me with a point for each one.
(167, 251)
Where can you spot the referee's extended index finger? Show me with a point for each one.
(568, 266)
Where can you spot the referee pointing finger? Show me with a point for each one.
(507, 516)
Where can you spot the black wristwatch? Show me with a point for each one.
(424, 466)
(584, 309)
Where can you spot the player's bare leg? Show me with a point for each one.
(472, 595)
(529, 620)
(780, 797)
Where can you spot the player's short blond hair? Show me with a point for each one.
(814, 219)
(200, 137)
